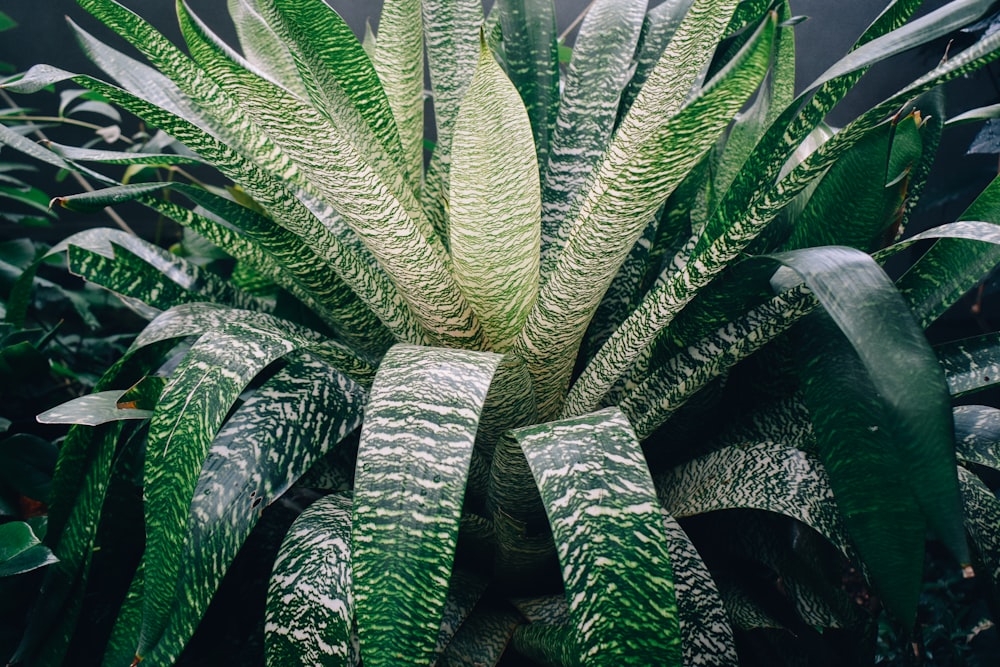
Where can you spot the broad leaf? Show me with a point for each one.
(495, 204)
(594, 482)
(416, 443)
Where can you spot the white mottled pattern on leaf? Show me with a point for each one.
(310, 598)
(250, 465)
(262, 47)
(495, 204)
(416, 444)
(588, 108)
(399, 61)
(610, 537)
(765, 476)
(707, 637)
(636, 175)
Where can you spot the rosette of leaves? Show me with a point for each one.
(630, 383)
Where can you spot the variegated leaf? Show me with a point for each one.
(609, 536)
(743, 221)
(248, 467)
(765, 476)
(977, 435)
(261, 46)
(187, 419)
(654, 400)
(399, 60)
(707, 638)
(971, 365)
(588, 108)
(982, 512)
(310, 599)
(495, 204)
(416, 443)
(531, 51)
(644, 164)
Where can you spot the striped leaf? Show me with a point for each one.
(345, 175)
(658, 29)
(588, 108)
(946, 271)
(495, 204)
(370, 284)
(342, 82)
(547, 644)
(657, 397)
(610, 537)
(743, 225)
(141, 271)
(262, 47)
(646, 161)
(765, 476)
(977, 435)
(481, 639)
(707, 637)
(450, 35)
(254, 239)
(310, 607)
(971, 365)
(982, 512)
(416, 443)
(450, 29)
(531, 52)
(249, 466)
(399, 61)
(193, 407)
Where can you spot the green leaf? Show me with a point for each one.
(133, 268)
(971, 365)
(861, 441)
(416, 443)
(874, 176)
(495, 204)
(951, 266)
(73, 153)
(26, 465)
(982, 512)
(248, 467)
(610, 536)
(620, 206)
(6, 22)
(256, 240)
(399, 61)
(310, 598)
(654, 400)
(531, 51)
(343, 83)
(346, 258)
(908, 384)
(977, 435)
(20, 550)
(262, 47)
(92, 410)
(768, 476)
(707, 637)
(588, 108)
(192, 409)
